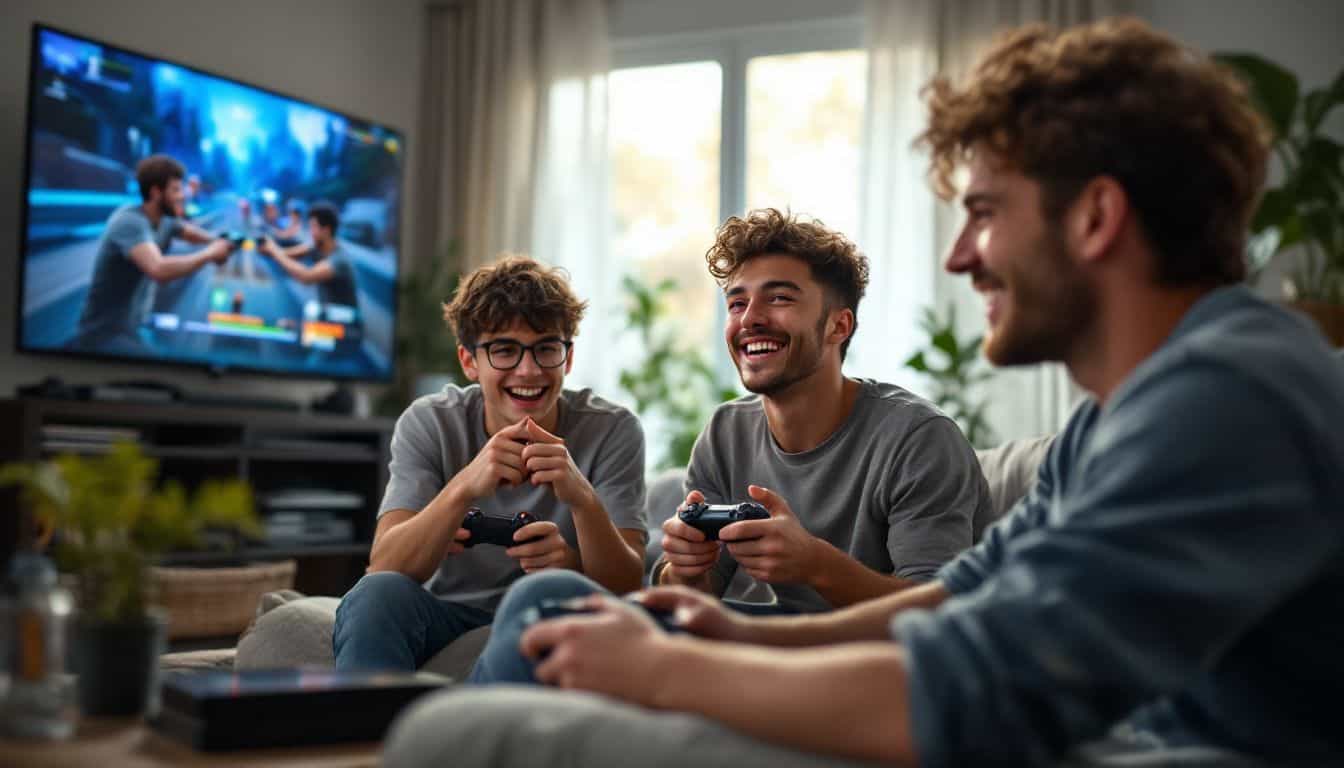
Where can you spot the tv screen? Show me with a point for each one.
(176, 216)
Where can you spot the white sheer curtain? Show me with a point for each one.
(516, 147)
(904, 229)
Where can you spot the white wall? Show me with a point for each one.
(1302, 35)
(656, 18)
(358, 56)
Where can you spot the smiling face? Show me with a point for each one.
(525, 390)
(778, 324)
(169, 199)
(1039, 302)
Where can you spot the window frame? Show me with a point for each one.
(732, 49)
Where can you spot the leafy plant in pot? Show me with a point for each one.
(1306, 209)
(672, 384)
(109, 524)
(426, 350)
(954, 370)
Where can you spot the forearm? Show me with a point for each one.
(606, 557)
(865, 621)
(194, 234)
(707, 582)
(855, 705)
(417, 546)
(843, 581)
(171, 268)
(292, 268)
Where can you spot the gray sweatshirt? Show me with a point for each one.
(1179, 564)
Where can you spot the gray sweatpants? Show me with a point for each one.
(523, 727)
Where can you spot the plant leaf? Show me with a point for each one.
(1272, 88)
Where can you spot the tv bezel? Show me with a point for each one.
(213, 369)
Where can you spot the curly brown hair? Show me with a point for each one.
(1115, 98)
(492, 297)
(834, 260)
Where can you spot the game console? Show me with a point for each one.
(709, 519)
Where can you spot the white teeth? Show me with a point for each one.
(525, 391)
(762, 346)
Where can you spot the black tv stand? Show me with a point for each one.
(239, 401)
(272, 451)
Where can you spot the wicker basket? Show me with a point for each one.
(213, 602)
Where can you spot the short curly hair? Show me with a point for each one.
(492, 297)
(1115, 98)
(834, 260)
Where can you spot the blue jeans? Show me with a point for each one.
(389, 621)
(502, 662)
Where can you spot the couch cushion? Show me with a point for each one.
(295, 631)
(1010, 470)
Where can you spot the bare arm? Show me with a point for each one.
(163, 269)
(842, 580)
(846, 700)
(318, 273)
(613, 557)
(857, 703)
(416, 543)
(863, 621)
(193, 234)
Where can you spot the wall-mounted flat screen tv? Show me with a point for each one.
(177, 216)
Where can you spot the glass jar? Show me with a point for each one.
(37, 692)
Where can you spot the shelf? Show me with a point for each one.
(343, 455)
(153, 451)
(269, 450)
(263, 553)
(231, 453)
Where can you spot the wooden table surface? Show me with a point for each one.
(129, 743)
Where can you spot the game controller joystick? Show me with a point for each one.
(709, 519)
(235, 238)
(495, 529)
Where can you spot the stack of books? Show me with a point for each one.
(310, 516)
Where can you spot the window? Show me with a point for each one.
(663, 124)
(707, 126)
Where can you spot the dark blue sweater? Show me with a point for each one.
(1179, 563)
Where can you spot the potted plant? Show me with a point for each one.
(954, 368)
(1306, 209)
(671, 383)
(109, 524)
(426, 350)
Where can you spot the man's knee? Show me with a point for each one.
(386, 592)
(546, 585)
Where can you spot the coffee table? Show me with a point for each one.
(129, 743)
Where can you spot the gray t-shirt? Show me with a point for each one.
(119, 293)
(897, 486)
(440, 434)
(341, 288)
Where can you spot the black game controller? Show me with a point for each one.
(554, 609)
(495, 529)
(709, 519)
(235, 238)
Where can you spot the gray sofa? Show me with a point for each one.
(291, 630)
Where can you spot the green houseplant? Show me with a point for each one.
(109, 525)
(1306, 208)
(425, 345)
(953, 368)
(676, 385)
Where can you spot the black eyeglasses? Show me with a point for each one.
(506, 354)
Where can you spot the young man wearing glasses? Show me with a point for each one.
(514, 441)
